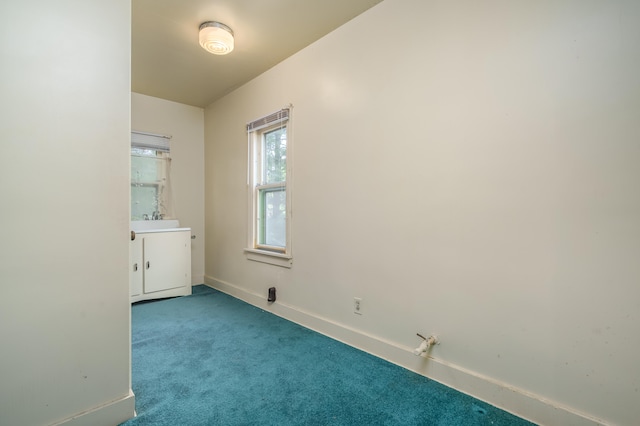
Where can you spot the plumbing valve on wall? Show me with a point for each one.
(426, 344)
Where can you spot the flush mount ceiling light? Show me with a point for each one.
(216, 38)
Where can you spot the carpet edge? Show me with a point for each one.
(511, 399)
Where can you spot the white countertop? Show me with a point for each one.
(150, 226)
(150, 231)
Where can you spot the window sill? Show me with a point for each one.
(264, 256)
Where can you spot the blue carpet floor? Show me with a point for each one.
(210, 359)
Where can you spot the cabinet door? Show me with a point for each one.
(135, 267)
(167, 260)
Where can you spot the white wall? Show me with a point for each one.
(185, 124)
(467, 169)
(64, 173)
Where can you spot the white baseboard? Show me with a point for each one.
(110, 414)
(517, 401)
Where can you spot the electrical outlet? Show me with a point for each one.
(357, 305)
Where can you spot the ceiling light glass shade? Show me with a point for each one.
(216, 38)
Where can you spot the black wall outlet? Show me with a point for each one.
(272, 295)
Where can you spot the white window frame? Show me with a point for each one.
(274, 255)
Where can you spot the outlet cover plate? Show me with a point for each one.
(357, 305)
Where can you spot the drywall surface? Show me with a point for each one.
(64, 304)
(185, 125)
(469, 169)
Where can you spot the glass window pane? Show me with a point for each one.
(145, 168)
(274, 167)
(149, 179)
(144, 201)
(272, 217)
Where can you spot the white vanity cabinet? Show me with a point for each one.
(160, 264)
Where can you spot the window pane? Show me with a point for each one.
(149, 184)
(272, 217)
(145, 166)
(274, 156)
(144, 201)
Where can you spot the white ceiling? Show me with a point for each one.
(167, 62)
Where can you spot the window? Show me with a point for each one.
(150, 171)
(269, 189)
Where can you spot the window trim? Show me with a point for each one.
(274, 255)
(272, 258)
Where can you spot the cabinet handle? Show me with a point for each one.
(133, 235)
(135, 267)
(148, 264)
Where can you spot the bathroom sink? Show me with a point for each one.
(152, 225)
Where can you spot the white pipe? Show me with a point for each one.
(425, 345)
